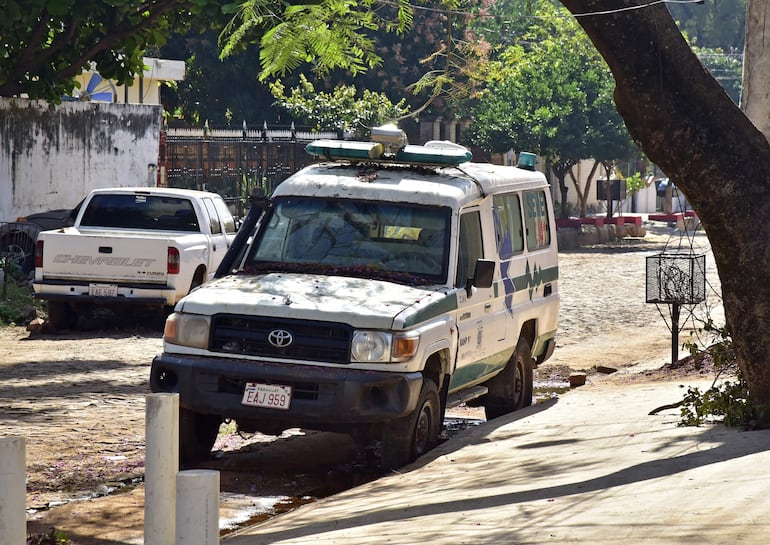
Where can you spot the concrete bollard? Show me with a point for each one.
(13, 491)
(197, 507)
(161, 465)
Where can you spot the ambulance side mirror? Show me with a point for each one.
(483, 275)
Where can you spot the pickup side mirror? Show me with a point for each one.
(483, 275)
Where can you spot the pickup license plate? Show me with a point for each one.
(103, 290)
(272, 396)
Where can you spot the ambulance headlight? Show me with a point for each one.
(187, 330)
(382, 347)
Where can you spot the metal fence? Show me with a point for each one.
(233, 163)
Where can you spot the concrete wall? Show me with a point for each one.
(52, 156)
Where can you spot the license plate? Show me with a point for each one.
(103, 290)
(272, 396)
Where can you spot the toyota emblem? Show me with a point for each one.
(280, 338)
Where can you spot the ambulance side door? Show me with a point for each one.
(479, 329)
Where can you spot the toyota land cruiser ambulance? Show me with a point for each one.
(379, 287)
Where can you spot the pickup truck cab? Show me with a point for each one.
(147, 246)
(378, 289)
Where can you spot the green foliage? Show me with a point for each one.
(727, 69)
(16, 302)
(729, 401)
(717, 24)
(234, 94)
(54, 537)
(635, 182)
(47, 43)
(551, 93)
(340, 110)
(330, 34)
(436, 51)
(395, 47)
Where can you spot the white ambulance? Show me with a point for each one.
(378, 288)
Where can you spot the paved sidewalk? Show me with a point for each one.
(590, 467)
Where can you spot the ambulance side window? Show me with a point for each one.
(536, 220)
(508, 226)
(469, 247)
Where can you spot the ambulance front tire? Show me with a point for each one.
(197, 435)
(406, 439)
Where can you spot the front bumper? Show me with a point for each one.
(323, 398)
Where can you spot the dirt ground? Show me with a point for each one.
(78, 399)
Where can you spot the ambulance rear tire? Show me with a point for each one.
(511, 389)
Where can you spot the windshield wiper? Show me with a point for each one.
(357, 271)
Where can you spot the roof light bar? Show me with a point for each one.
(424, 155)
(389, 145)
(344, 149)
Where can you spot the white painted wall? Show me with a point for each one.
(52, 156)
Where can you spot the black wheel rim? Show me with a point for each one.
(518, 384)
(422, 429)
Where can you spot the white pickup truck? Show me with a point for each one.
(145, 246)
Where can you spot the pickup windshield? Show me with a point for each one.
(355, 238)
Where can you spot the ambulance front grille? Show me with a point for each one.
(327, 342)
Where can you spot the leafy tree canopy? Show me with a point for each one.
(340, 110)
(715, 24)
(330, 34)
(431, 52)
(552, 95)
(726, 67)
(220, 91)
(45, 44)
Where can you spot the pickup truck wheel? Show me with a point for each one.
(20, 249)
(512, 388)
(408, 438)
(61, 315)
(197, 434)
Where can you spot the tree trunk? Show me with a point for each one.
(561, 175)
(583, 193)
(756, 66)
(686, 124)
(608, 168)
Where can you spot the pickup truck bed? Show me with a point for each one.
(132, 246)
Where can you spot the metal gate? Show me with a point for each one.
(233, 163)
